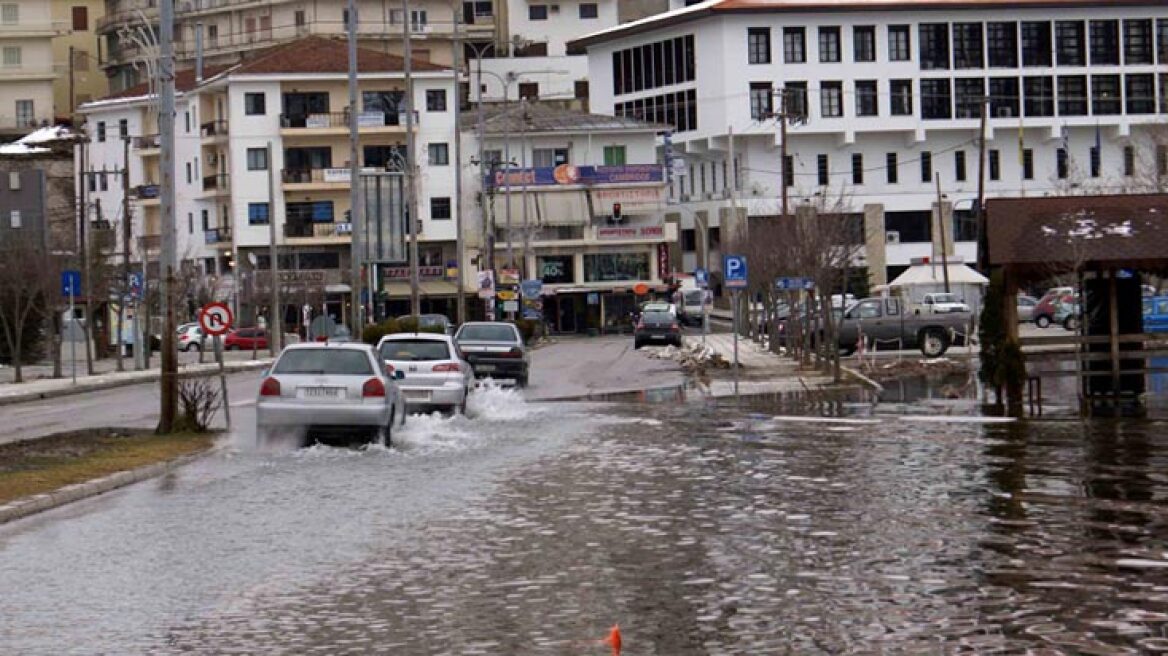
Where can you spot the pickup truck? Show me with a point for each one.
(886, 320)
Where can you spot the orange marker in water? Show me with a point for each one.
(614, 640)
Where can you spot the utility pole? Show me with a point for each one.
(488, 246)
(168, 260)
(507, 175)
(459, 243)
(941, 230)
(125, 243)
(983, 255)
(275, 324)
(355, 210)
(523, 145)
(83, 248)
(411, 164)
(73, 103)
(783, 148)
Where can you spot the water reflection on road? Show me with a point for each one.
(701, 529)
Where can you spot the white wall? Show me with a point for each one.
(561, 25)
(252, 186)
(556, 76)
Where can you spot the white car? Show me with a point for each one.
(432, 370)
(329, 389)
(190, 337)
(942, 303)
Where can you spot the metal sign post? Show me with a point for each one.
(736, 275)
(215, 319)
(223, 380)
(734, 296)
(702, 279)
(70, 285)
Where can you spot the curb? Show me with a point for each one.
(78, 491)
(83, 388)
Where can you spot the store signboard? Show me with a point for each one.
(570, 174)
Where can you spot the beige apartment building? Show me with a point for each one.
(27, 30)
(234, 30)
(82, 79)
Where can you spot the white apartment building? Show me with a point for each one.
(885, 97)
(268, 140)
(551, 210)
(27, 30)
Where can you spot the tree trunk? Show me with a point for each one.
(57, 344)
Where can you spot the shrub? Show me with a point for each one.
(410, 325)
(374, 332)
(199, 401)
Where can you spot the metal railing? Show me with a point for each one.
(324, 120)
(220, 235)
(219, 182)
(147, 142)
(215, 128)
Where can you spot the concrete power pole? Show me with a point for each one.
(276, 323)
(355, 209)
(411, 164)
(125, 243)
(169, 256)
(460, 246)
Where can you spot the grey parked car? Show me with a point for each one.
(657, 328)
(434, 374)
(329, 390)
(495, 350)
(885, 321)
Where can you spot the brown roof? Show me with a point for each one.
(318, 54)
(1068, 231)
(183, 81)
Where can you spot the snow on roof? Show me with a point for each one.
(22, 149)
(931, 274)
(47, 134)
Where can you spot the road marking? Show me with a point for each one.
(243, 404)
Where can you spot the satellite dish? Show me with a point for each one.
(251, 257)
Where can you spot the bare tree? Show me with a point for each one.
(28, 278)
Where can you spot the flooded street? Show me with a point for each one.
(699, 528)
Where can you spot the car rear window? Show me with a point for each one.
(693, 298)
(324, 361)
(488, 333)
(658, 317)
(415, 350)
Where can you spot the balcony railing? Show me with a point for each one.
(216, 128)
(306, 230)
(218, 182)
(341, 120)
(330, 175)
(148, 142)
(220, 235)
(294, 230)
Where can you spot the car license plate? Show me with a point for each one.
(417, 395)
(322, 392)
(484, 367)
(656, 336)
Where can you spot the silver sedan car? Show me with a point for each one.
(329, 390)
(435, 373)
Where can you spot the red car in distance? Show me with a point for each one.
(246, 339)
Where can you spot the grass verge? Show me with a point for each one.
(46, 464)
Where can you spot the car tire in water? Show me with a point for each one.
(1042, 321)
(1071, 323)
(934, 343)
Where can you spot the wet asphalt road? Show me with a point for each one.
(701, 529)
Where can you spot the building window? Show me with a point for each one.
(1027, 164)
(439, 154)
(1129, 161)
(1072, 95)
(902, 101)
(899, 43)
(1104, 42)
(1140, 93)
(969, 93)
(1105, 95)
(257, 214)
(190, 176)
(864, 43)
(14, 219)
(794, 45)
(1096, 164)
(891, 174)
(967, 46)
(761, 106)
(831, 99)
(257, 159)
(959, 172)
(123, 128)
(529, 90)
(1002, 44)
(206, 216)
(934, 38)
(1137, 42)
(1004, 97)
(537, 12)
(190, 223)
(103, 181)
(758, 43)
(1070, 43)
(440, 208)
(1162, 40)
(255, 104)
(936, 101)
(12, 56)
(789, 171)
(671, 62)
(1036, 43)
(1062, 164)
(613, 267)
(822, 170)
(796, 97)
(995, 165)
(101, 131)
(580, 89)
(80, 19)
(548, 157)
(926, 166)
(614, 155)
(1039, 96)
(857, 169)
(1164, 93)
(435, 100)
(9, 14)
(589, 10)
(829, 44)
(14, 181)
(866, 104)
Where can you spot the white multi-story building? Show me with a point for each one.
(27, 30)
(884, 100)
(268, 140)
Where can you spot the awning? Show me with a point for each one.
(337, 289)
(425, 288)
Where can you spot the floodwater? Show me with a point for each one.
(700, 528)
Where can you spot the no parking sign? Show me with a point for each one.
(215, 319)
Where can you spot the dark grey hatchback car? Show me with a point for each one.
(657, 328)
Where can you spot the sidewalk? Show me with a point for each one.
(39, 385)
(760, 371)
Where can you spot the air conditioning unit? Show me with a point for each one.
(892, 237)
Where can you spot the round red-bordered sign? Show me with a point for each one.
(215, 319)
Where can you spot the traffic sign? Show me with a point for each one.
(531, 288)
(734, 269)
(794, 283)
(70, 283)
(702, 278)
(215, 319)
(135, 285)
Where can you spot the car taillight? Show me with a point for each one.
(640, 325)
(270, 387)
(674, 328)
(448, 367)
(513, 353)
(373, 387)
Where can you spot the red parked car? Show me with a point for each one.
(246, 339)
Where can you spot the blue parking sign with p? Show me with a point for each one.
(701, 278)
(70, 283)
(734, 270)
